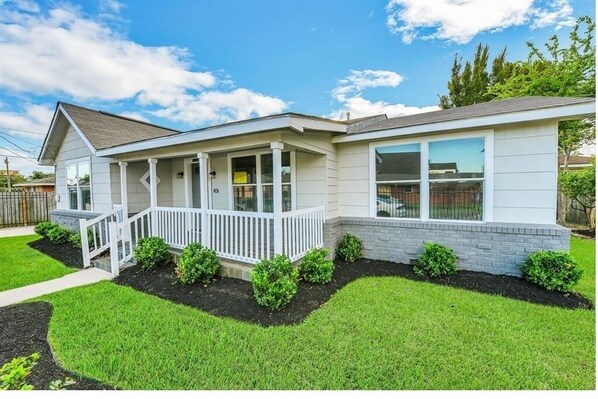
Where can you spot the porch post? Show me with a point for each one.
(124, 195)
(277, 194)
(203, 196)
(153, 182)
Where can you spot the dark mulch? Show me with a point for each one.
(66, 253)
(234, 298)
(23, 331)
(585, 233)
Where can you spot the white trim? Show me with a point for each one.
(558, 112)
(295, 123)
(424, 212)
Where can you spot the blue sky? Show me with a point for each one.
(196, 63)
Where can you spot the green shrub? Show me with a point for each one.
(58, 234)
(553, 270)
(315, 268)
(275, 281)
(151, 252)
(349, 249)
(437, 260)
(197, 263)
(13, 374)
(75, 238)
(43, 227)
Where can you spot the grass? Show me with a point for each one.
(584, 252)
(376, 333)
(22, 265)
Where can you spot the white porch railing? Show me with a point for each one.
(100, 235)
(242, 236)
(302, 230)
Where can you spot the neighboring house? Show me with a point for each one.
(43, 185)
(576, 162)
(481, 179)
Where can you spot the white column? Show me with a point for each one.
(153, 182)
(124, 197)
(203, 196)
(277, 194)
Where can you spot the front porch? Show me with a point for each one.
(265, 213)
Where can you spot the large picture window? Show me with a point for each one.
(252, 182)
(398, 178)
(452, 177)
(78, 183)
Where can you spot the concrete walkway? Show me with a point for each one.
(77, 279)
(16, 231)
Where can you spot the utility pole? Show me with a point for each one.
(7, 174)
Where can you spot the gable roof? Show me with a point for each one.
(105, 130)
(497, 107)
(44, 181)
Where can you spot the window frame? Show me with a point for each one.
(259, 185)
(79, 196)
(424, 142)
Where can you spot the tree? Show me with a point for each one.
(36, 174)
(469, 84)
(565, 72)
(580, 186)
(14, 179)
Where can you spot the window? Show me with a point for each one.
(452, 179)
(252, 183)
(398, 177)
(78, 185)
(456, 175)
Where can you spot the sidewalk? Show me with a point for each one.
(77, 279)
(16, 231)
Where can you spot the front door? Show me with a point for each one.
(195, 190)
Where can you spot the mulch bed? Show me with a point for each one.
(23, 331)
(230, 297)
(66, 253)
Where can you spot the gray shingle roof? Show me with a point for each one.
(105, 130)
(474, 111)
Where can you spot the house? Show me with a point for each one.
(481, 179)
(43, 185)
(576, 162)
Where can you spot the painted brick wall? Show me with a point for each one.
(496, 248)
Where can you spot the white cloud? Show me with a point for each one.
(33, 118)
(349, 90)
(134, 115)
(65, 53)
(357, 81)
(460, 20)
(220, 107)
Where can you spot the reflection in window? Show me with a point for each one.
(244, 183)
(456, 172)
(78, 186)
(267, 174)
(398, 174)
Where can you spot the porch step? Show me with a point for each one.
(103, 263)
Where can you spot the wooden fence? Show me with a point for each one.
(574, 216)
(25, 208)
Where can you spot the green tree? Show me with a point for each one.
(565, 72)
(14, 179)
(36, 174)
(469, 83)
(580, 186)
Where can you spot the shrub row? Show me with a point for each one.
(61, 235)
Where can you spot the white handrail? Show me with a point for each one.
(302, 230)
(100, 235)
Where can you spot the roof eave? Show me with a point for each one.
(563, 112)
(292, 122)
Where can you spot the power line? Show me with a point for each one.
(20, 130)
(18, 146)
(20, 139)
(17, 155)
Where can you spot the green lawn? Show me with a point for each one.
(584, 252)
(21, 265)
(376, 333)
